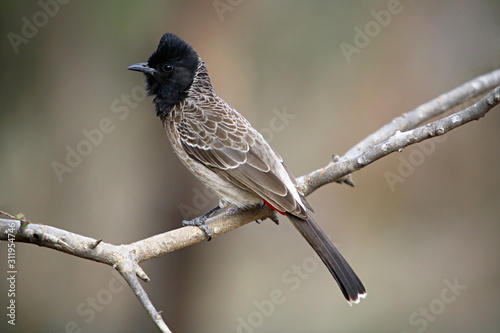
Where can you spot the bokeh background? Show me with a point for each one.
(437, 227)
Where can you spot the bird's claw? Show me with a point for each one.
(274, 218)
(201, 223)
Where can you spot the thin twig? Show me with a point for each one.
(429, 110)
(399, 140)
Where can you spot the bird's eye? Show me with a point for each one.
(167, 67)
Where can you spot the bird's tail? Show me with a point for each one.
(348, 281)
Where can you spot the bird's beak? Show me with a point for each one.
(142, 67)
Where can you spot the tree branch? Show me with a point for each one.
(431, 109)
(398, 140)
(395, 136)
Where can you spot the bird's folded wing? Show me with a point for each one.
(231, 148)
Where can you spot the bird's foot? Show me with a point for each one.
(201, 222)
(273, 216)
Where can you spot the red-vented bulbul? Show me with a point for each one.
(222, 149)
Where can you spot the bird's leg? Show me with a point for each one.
(273, 217)
(201, 222)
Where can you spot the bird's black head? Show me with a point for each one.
(170, 70)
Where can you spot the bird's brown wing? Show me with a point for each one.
(224, 141)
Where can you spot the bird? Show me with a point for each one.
(222, 149)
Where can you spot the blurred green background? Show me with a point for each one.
(408, 242)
